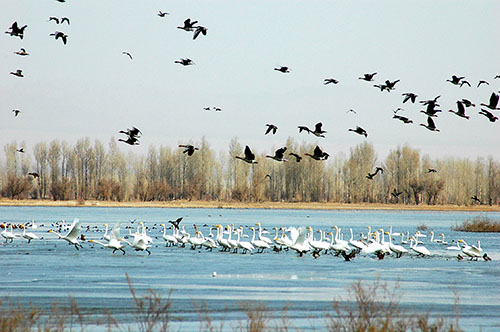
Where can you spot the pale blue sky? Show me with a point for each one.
(88, 88)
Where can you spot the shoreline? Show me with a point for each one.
(250, 205)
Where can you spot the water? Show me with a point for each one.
(49, 270)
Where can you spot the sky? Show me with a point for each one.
(88, 88)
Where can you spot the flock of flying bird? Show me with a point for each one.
(233, 239)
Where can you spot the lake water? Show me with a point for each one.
(49, 270)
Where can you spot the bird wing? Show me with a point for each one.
(196, 33)
(248, 153)
(430, 122)
(461, 108)
(74, 231)
(318, 127)
(318, 152)
(280, 152)
(269, 128)
(115, 232)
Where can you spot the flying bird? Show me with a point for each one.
(431, 102)
(455, 79)
(127, 53)
(20, 150)
(402, 118)
(367, 77)
(162, 14)
(461, 110)
(297, 157)
(18, 73)
(130, 140)
(16, 31)
(482, 82)
(359, 131)
(351, 111)
(467, 103)
(464, 82)
(22, 52)
(390, 85)
(188, 25)
(370, 176)
(409, 96)
(62, 35)
(278, 154)
(16, 112)
(488, 114)
(199, 29)
(188, 148)
(430, 125)
(431, 170)
(52, 18)
(283, 69)
(176, 222)
(134, 132)
(330, 81)
(249, 156)
(318, 154)
(271, 127)
(65, 19)
(493, 102)
(34, 174)
(185, 62)
(396, 194)
(431, 110)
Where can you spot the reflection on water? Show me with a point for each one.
(48, 270)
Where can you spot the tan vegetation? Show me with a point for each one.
(478, 224)
(88, 171)
(376, 308)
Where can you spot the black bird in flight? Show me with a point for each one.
(461, 110)
(22, 52)
(467, 103)
(283, 69)
(431, 110)
(370, 176)
(271, 128)
(464, 82)
(188, 148)
(134, 132)
(396, 194)
(199, 29)
(476, 199)
(34, 174)
(53, 18)
(390, 85)
(482, 82)
(16, 112)
(185, 62)
(402, 118)
(488, 114)
(130, 140)
(493, 102)
(359, 131)
(65, 19)
(367, 77)
(16, 31)
(318, 154)
(127, 53)
(62, 35)
(318, 131)
(409, 96)
(176, 222)
(455, 79)
(297, 157)
(188, 25)
(20, 150)
(249, 156)
(330, 81)
(162, 14)
(279, 154)
(431, 170)
(351, 111)
(18, 73)
(430, 125)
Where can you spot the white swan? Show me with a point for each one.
(245, 245)
(301, 244)
(442, 241)
(259, 244)
(472, 251)
(106, 236)
(8, 235)
(399, 250)
(321, 244)
(455, 247)
(355, 243)
(170, 240)
(420, 250)
(263, 238)
(114, 241)
(30, 235)
(73, 234)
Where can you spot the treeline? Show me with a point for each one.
(89, 171)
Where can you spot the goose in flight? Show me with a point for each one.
(53, 18)
(199, 29)
(351, 111)
(16, 112)
(370, 176)
(318, 131)
(249, 156)
(65, 19)
(297, 157)
(16, 31)
(134, 132)
(130, 140)
(464, 82)
(467, 103)
(330, 81)
(73, 235)
(128, 54)
(188, 148)
(18, 73)
(391, 85)
(162, 14)
(396, 194)
(62, 35)
(22, 52)
(318, 154)
(482, 82)
(402, 118)
(20, 150)
(283, 69)
(409, 96)
(271, 128)
(34, 174)
(278, 154)
(431, 170)
(493, 102)
(176, 222)
(455, 80)
(461, 110)
(432, 102)
(488, 114)
(188, 25)
(476, 199)
(431, 110)
(367, 77)
(185, 62)
(430, 124)
(359, 131)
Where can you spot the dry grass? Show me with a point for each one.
(251, 205)
(368, 308)
(478, 224)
